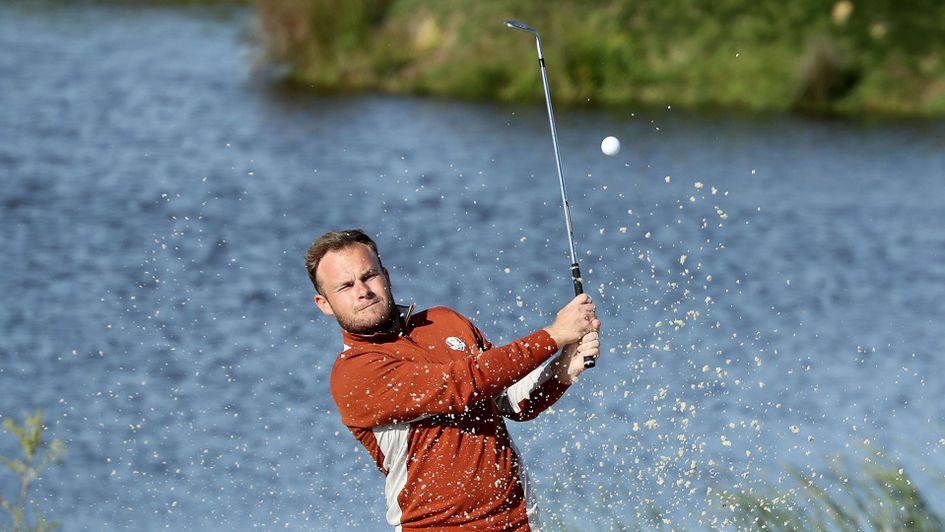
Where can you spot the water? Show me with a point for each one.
(158, 198)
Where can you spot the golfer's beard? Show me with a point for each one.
(384, 323)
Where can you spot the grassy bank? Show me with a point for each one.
(843, 57)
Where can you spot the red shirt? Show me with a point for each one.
(428, 404)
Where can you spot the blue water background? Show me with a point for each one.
(158, 196)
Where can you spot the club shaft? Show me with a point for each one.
(554, 140)
(589, 362)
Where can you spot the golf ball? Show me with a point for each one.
(610, 146)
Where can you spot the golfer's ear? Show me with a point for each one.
(387, 276)
(323, 305)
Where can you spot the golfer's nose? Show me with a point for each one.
(363, 289)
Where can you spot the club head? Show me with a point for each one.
(516, 25)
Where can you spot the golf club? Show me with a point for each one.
(575, 268)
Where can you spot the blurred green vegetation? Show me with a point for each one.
(863, 489)
(818, 56)
(877, 494)
(38, 454)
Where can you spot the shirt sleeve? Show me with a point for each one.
(529, 396)
(373, 388)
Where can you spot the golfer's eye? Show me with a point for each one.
(345, 286)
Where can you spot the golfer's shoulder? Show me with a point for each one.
(440, 319)
(442, 313)
(356, 364)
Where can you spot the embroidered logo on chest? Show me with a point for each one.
(455, 344)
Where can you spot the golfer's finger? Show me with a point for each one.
(589, 351)
(589, 344)
(581, 299)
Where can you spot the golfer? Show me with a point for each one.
(426, 392)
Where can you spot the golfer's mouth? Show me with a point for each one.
(371, 304)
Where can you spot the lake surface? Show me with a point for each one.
(771, 287)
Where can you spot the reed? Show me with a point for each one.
(878, 495)
(38, 454)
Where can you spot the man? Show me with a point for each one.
(426, 393)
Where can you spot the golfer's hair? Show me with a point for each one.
(334, 241)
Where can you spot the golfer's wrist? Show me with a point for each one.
(555, 335)
(562, 367)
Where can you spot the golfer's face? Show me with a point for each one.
(356, 288)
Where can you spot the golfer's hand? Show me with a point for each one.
(576, 319)
(571, 361)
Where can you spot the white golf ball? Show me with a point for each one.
(610, 146)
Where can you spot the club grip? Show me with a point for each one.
(576, 277)
(578, 290)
